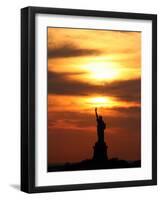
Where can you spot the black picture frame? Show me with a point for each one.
(28, 98)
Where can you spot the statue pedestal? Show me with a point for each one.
(100, 152)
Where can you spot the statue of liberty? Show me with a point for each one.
(101, 126)
(100, 147)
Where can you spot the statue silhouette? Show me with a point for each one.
(100, 147)
(101, 126)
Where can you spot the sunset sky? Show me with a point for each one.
(88, 69)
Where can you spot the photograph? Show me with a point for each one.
(88, 99)
(94, 99)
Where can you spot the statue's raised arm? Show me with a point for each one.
(96, 113)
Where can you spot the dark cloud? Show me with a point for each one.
(126, 117)
(128, 120)
(70, 50)
(127, 90)
(75, 118)
(131, 123)
(126, 110)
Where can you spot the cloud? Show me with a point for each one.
(117, 117)
(70, 50)
(125, 112)
(127, 90)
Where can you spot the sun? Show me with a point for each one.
(100, 101)
(102, 71)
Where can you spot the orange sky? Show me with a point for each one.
(88, 69)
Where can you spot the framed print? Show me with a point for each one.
(88, 99)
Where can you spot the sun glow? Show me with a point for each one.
(102, 71)
(100, 101)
